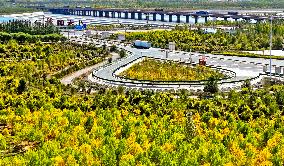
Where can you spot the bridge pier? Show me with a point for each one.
(113, 14)
(187, 19)
(154, 16)
(206, 19)
(132, 15)
(119, 14)
(101, 13)
(178, 18)
(126, 15)
(95, 13)
(147, 17)
(106, 14)
(195, 19)
(225, 18)
(170, 18)
(140, 16)
(162, 17)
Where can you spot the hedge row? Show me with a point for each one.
(77, 67)
(246, 54)
(24, 37)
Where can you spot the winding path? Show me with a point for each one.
(68, 79)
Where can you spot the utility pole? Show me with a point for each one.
(270, 61)
(43, 18)
(167, 53)
(190, 56)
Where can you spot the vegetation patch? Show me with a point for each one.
(155, 70)
(246, 37)
(43, 122)
(4, 9)
(246, 54)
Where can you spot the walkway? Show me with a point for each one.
(68, 79)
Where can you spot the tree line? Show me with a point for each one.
(245, 37)
(26, 26)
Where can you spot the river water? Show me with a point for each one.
(5, 19)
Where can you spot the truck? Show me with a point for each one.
(142, 44)
(202, 60)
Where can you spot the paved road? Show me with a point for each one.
(69, 78)
(244, 68)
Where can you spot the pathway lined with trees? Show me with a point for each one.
(68, 79)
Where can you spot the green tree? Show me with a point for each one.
(211, 85)
(122, 53)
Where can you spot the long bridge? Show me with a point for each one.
(137, 14)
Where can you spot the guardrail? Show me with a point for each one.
(170, 85)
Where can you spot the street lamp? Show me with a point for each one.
(43, 18)
(190, 56)
(270, 61)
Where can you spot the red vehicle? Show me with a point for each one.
(202, 61)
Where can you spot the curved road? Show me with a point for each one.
(244, 68)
